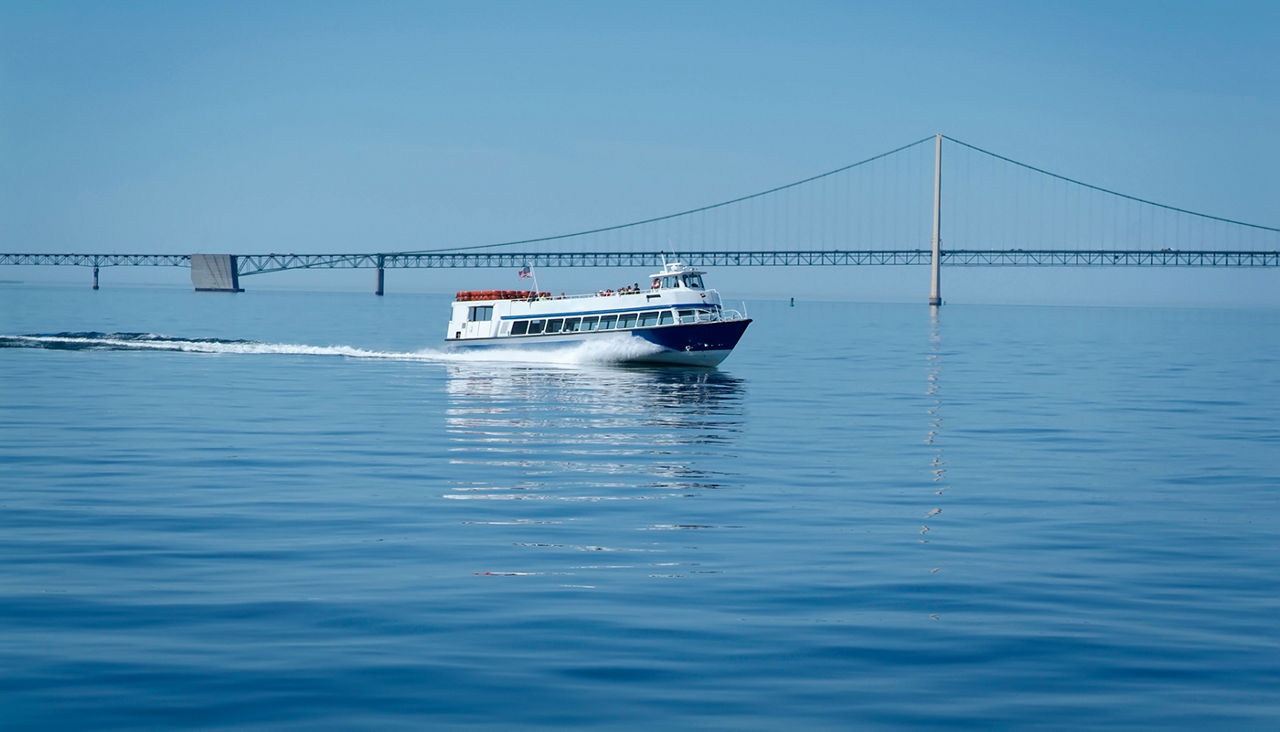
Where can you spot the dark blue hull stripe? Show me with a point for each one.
(684, 337)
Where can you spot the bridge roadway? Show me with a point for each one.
(250, 264)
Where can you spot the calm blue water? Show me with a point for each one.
(289, 509)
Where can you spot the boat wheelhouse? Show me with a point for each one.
(675, 320)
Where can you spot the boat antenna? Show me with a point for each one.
(664, 258)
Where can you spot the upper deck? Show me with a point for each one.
(673, 277)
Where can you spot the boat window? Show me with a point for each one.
(536, 326)
(589, 323)
(571, 325)
(670, 281)
(688, 316)
(666, 318)
(693, 281)
(520, 327)
(648, 318)
(627, 320)
(480, 312)
(554, 324)
(607, 321)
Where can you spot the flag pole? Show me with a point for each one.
(527, 271)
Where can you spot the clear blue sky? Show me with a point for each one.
(383, 126)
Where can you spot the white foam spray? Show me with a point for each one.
(605, 350)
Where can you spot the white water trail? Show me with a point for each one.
(604, 350)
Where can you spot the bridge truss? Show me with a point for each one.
(251, 264)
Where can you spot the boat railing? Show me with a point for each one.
(608, 293)
(712, 316)
(586, 295)
(725, 313)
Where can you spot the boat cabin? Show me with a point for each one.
(675, 275)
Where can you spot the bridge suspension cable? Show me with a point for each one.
(678, 214)
(1125, 196)
(881, 203)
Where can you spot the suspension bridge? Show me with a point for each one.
(884, 210)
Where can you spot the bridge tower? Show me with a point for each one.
(935, 289)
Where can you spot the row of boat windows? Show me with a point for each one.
(603, 322)
(692, 281)
(480, 312)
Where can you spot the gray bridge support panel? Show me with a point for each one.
(215, 273)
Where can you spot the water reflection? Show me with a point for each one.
(695, 405)
(937, 463)
(557, 446)
(557, 463)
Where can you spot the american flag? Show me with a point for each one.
(525, 273)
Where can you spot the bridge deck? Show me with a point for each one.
(249, 264)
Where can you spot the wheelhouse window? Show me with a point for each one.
(607, 321)
(648, 318)
(480, 312)
(627, 320)
(536, 326)
(520, 327)
(693, 281)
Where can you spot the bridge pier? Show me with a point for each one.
(215, 273)
(95, 277)
(378, 290)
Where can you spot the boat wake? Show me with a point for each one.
(601, 351)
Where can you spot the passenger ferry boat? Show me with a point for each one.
(684, 322)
